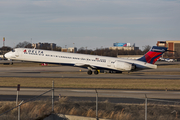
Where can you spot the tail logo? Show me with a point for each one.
(157, 50)
(153, 55)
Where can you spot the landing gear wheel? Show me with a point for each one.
(96, 72)
(89, 72)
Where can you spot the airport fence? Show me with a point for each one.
(145, 108)
(14, 113)
(154, 108)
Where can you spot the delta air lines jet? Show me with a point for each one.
(92, 62)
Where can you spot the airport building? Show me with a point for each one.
(70, 49)
(172, 46)
(40, 45)
(123, 46)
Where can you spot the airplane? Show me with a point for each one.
(92, 62)
(169, 60)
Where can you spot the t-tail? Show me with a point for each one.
(153, 55)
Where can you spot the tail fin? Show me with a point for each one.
(153, 55)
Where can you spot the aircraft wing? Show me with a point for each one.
(84, 65)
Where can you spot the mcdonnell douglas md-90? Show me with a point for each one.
(92, 62)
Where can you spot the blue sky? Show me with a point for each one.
(89, 23)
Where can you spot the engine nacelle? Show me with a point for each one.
(123, 66)
(133, 67)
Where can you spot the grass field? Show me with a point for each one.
(149, 84)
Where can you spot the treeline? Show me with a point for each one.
(98, 51)
(112, 53)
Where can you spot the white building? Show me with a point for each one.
(40, 45)
(124, 48)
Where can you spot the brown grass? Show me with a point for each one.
(37, 109)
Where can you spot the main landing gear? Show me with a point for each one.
(90, 72)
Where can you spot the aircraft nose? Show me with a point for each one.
(7, 55)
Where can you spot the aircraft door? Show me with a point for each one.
(108, 63)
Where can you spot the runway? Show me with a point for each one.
(92, 93)
(114, 96)
(75, 72)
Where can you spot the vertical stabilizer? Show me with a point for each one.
(153, 55)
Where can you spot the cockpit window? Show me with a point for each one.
(13, 50)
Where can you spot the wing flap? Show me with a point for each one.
(84, 65)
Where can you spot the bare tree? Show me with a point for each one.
(146, 49)
(108, 52)
(177, 54)
(24, 44)
(5, 49)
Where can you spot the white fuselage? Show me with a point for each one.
(79, 60)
